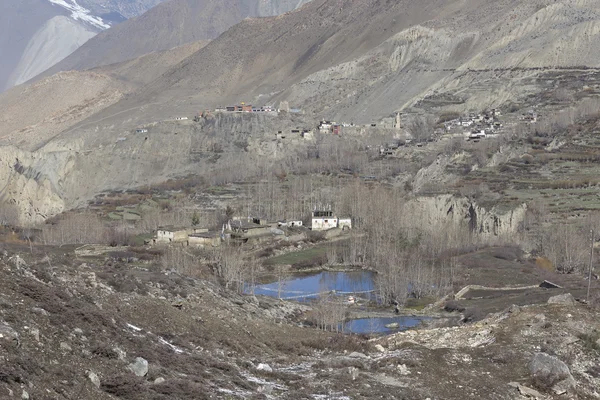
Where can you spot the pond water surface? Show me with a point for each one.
(308, 287)
(378, 324)
(359, 284)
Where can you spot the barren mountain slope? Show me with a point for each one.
(145, 69)
(366, 59)
(167, 25)
(32, 114)
(22, 19)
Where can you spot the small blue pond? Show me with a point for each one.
(359, 284)
(302, 288)
(378, 324)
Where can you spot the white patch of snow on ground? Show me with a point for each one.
(263, 382)
(333, 396)
(79, 13)
(172, 346)
(135, 328)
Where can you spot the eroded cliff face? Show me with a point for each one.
(439, 211)
(31, 183)
(74, 167)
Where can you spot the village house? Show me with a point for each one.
(206, 239)
(323, 220)
(248, 228)
(290, 224)
(344, 223)
(307, 134)
(325, 126)
(171, 234)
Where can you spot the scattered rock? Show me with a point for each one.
(380, 348)
(265, 389)
(159, 380)
(17, 261)
(356, 354)
(526, 391)
(35, 333)
(353, 371)
(550, 372)
(139, 366)
(8, 334)
(403, 369)
(565, 299)
(264, 367)
(40, 311)
(120, 353)
(65, 346)
(94, 378)
(78, 331)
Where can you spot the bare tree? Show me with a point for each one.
(421, 128)
(9, 214)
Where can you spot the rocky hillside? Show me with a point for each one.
(168, 25)
(119, 325)
(402, 56)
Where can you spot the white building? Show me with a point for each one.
(345, 223)
(290, 224)
(323, 220)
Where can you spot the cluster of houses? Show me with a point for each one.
(244, 229)
(243, 107)
(476, 126)
(530, 116)
(295, 133)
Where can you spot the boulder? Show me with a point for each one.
(8, 335)
(94, 378)
(380, 348)
(40, 311)
(356, 354)
(549, 372)
(139, 366)
(565, 299)
(264, 367)
(159, 380)
(64, 346)
(353, 371)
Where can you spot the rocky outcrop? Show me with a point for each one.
(551, 373)
(30, 184)
(439, 211)
(566, 299)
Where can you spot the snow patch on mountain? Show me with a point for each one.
(79, 13)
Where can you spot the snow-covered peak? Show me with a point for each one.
(79, 13)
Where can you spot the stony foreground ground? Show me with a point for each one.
(105, 329)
